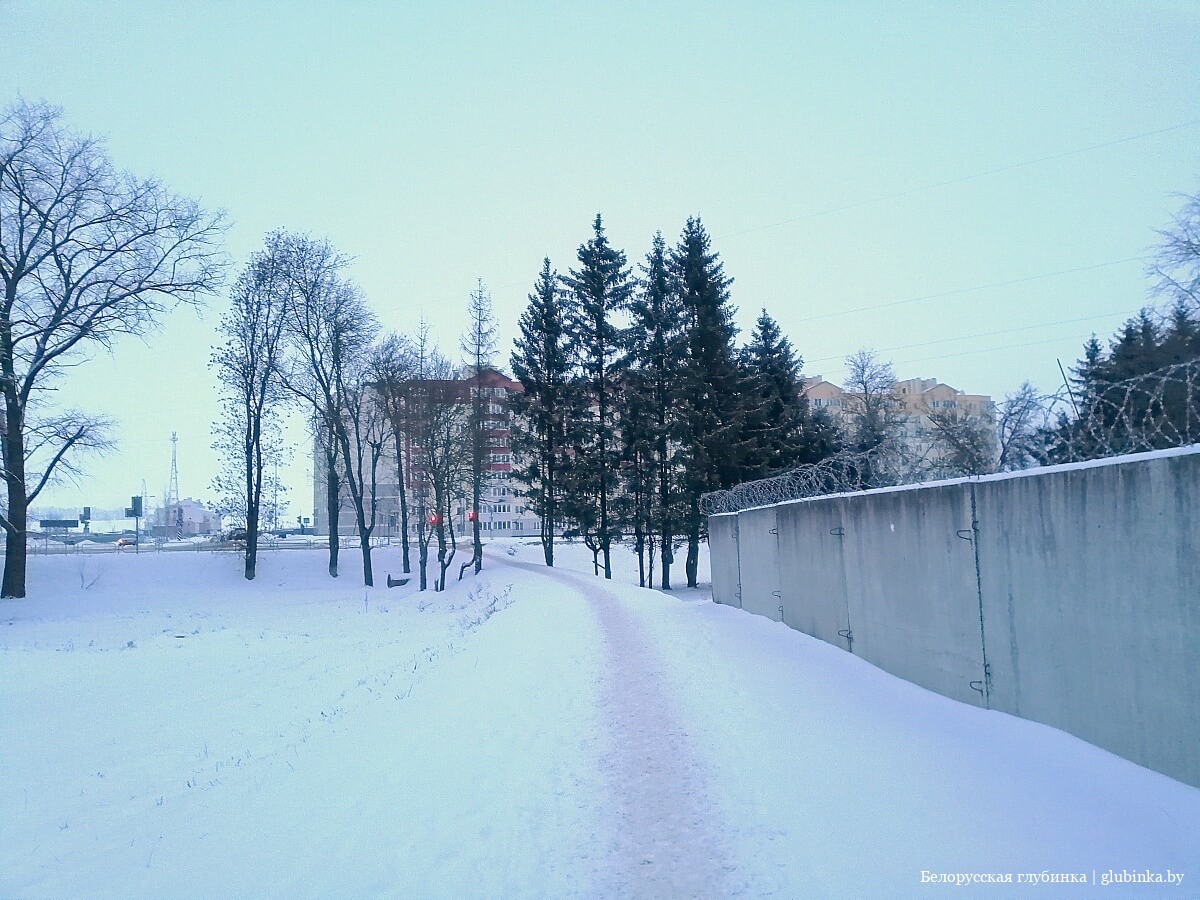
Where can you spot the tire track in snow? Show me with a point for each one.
(665, 831)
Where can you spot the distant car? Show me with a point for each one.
(236, 534)
(129, 541)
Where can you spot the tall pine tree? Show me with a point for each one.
(542, 363)
(600, 287)
(657, 354)
(712, 389)
(781, 431)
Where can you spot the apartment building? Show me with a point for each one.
(913, 400)
(501, 514)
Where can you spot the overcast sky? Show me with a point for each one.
(437, 143)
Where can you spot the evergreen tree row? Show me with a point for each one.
(637, 400)
(1110, 410)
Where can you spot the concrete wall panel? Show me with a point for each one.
(1084, 596)
(812, 570)
(723, 552)
(759, 564)
(912, 594)
(1091, 587)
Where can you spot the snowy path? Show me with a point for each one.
(664, 830)
(173, 731)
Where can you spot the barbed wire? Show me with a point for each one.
(845, 471)
(1154, 411)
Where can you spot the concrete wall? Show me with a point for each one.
(723, 552)
(911, 588)
(758, 562)
(1068, 595)
(813, 571)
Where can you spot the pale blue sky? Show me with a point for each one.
(438, 143)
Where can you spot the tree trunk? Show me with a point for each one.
(16, 542)
(693, 556)
(664, 501)
(364, 541)
(639, 544)
(548, 507)
(16, 537)
(650, 561)
(423, 554)
(251, 541)
(15, 548)
(668, 557)
(476, 538)
(548, 542)
(439, 531)
(333, 507)
(253, 494)
(403, 504)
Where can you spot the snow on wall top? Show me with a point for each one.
(1189, 450)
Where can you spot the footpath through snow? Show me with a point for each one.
(666, 837)
(171, 730)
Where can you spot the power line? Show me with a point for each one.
(968, 337)
(985, 350)
(921, 359)
(967, 290)
(960, 179)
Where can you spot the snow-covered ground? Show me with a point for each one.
(171, 730)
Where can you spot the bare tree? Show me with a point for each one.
(363, 437)
(479, 352)
(392, 372)
(330, 331)
(448, 457)
(229, 484)
(1022, 424)
(313, 272)
(87, 253)
(438, 422)
(964, 444)
(418, 402)
(873, 419)
(248, 367)
(1177, 264)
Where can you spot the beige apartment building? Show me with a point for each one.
(913, 401)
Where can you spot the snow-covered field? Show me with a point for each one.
(171, 730)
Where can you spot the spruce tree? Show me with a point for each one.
(780, 429)
(600, 287)
(541, 362)
(712, 395)
(657, 354)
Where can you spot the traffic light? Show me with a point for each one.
(435, 519)
(135, 503)
(471, 517)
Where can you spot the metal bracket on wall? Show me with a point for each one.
(849, 636)
(977, 686)
(774, 531)
(838, 532)
(966, 534)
